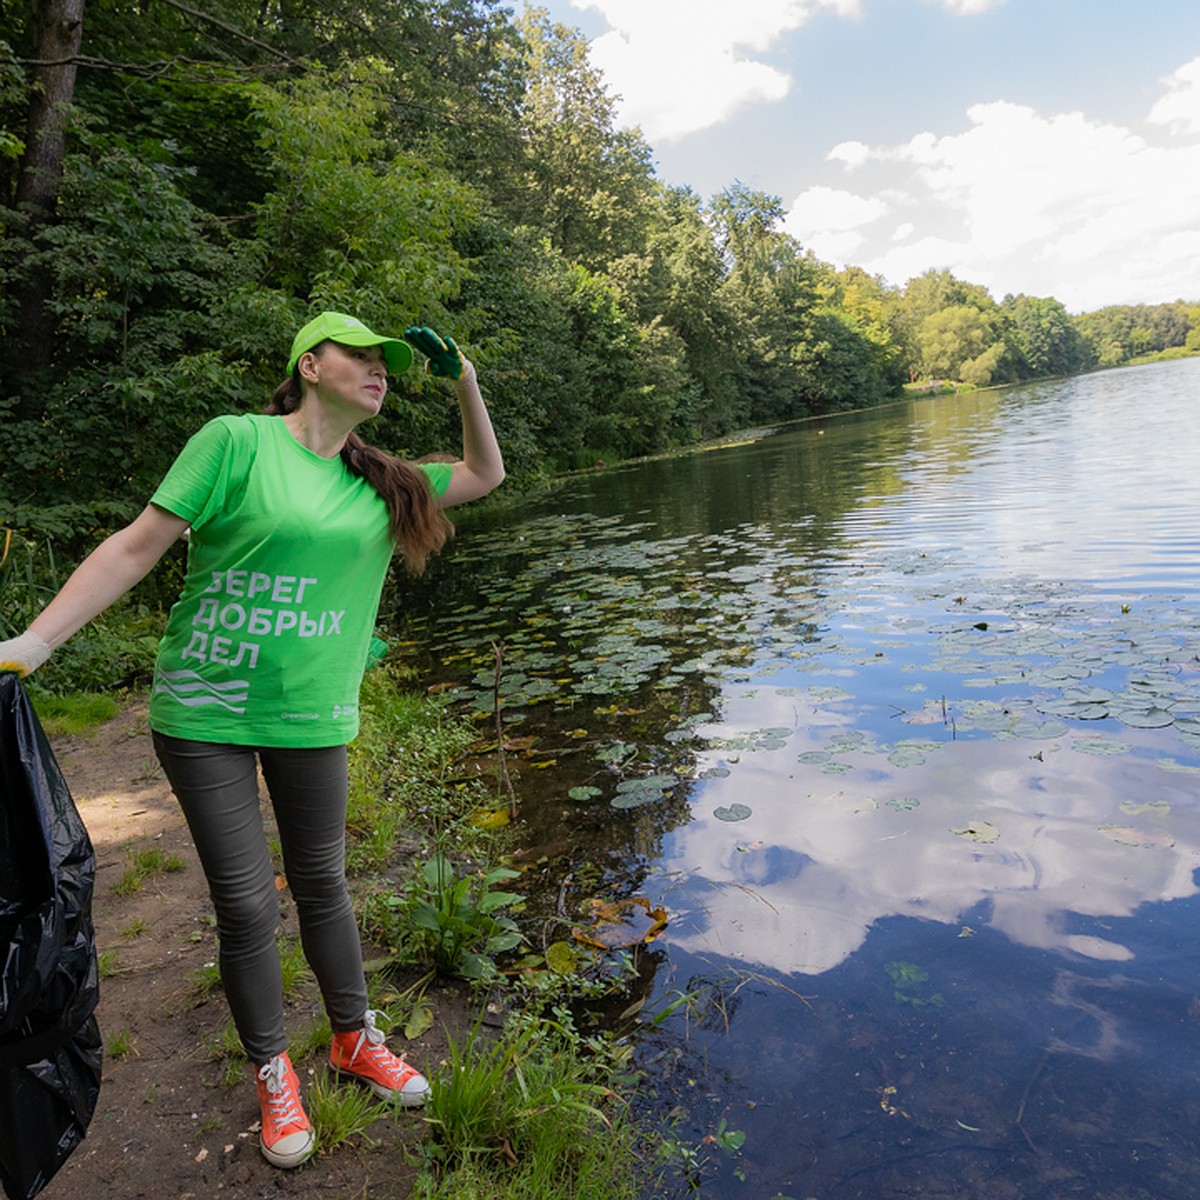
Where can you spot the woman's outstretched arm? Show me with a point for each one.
(119, 562)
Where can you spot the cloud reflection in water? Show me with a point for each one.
(797, 885)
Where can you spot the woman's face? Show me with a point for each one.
(352, 379)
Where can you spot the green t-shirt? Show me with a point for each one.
(268, 641)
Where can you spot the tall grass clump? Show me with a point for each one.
(527, 1113)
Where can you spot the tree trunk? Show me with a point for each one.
(57, 35)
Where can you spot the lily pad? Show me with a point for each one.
(837, 768)
(1150, 839)
(654, 783)
(586, 792)
(1145, 718)
(907, 756)
(1101, 746)
(1169, 764)
(1029, 727)
(561, 958)
(633, 793)
(734, 812)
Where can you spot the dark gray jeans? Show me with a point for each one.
(217, 786)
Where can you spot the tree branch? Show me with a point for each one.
(203, 16)
(147, 69)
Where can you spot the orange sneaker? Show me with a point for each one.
(361, 1054)
(287, 1137)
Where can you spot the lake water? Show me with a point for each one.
(897, 716)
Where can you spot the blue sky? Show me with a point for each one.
(1050, 147)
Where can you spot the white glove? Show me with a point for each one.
(23, 654)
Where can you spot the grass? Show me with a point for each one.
(314, 1040)
(531, 1112)
(226, 1048)
(143, 865)
(296, 972)
(527, 1114)
(73, 713)
(118, 1045)
(340, 1112)
(204, 981)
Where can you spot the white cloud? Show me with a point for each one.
(850, 154)
(1179, 109)
(970, 7)
(1063, 205)
(829, 221)
(829, 209)
(684, 65)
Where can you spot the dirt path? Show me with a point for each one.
(166, 1125)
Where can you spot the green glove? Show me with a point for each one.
(443, 355)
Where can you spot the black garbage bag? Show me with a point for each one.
(50, 1051)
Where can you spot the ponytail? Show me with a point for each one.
(418, 525)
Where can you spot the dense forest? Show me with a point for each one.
(183, 183)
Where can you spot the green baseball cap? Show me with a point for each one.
(349, 331)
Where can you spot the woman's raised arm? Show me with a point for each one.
(482, 466)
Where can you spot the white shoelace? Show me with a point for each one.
(376, 1051)
(283, 1102)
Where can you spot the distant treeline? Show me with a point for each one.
(184, 184)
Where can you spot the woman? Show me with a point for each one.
(293, 523)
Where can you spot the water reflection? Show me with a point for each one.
(928, 684)
(797, 885)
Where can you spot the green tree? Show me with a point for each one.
(875, 311)
(1191, 339)
(951, 337)
(674, 288)
(839, 366)
(770, 290)
(1043, 336)
(584, 183)
(923, 297)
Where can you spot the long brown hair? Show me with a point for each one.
(418, 525)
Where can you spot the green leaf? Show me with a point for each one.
(503, 941)
(561, 958)
(425, 917)
(490, 901)
(438, 872)
(420, 1021)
